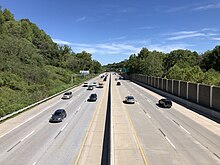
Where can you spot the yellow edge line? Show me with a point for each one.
(137, 139)
(87, 132)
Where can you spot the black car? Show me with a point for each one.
(58, 116)
(92, 97)
(118, 83)
(165, 103)
(90, 87)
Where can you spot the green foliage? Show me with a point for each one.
(182, 58)
(32, 66)
(8, 16)
(212, 77)
(178, 64)
(211, 59)
(191, 74)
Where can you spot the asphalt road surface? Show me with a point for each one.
(167, 136)
(37, 141)
(175, 136)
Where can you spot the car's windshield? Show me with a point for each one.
(130, 97)
(58, 113)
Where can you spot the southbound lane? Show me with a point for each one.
(36, 141)
(167, 136)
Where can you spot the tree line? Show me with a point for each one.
(32, 66)
(178, 64)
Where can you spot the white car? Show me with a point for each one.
(67, 95)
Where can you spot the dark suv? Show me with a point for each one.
(58, 116)
(92, 97)
(165, 103)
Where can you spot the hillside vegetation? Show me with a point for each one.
(178, 64)
(32, 66)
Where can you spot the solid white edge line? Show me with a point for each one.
(27, 136)
(148, 115)
(28, 119)
(64, 126)
(170, 142)
(185, 129)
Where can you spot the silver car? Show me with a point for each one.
(67, 95)
(129, 100)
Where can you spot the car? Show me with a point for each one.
(116, 79)
(58, 116)
(90, 87)
(86, 84)
(129, 100)
(67, 95)
(92, 97)
(100, 85)
(94, 83)
(121, 78)
(165, 103)
(118, 83)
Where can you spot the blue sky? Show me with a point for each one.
(112, 30)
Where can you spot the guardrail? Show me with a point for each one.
(37, 103)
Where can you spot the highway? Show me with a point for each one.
(158, 136)
(167, 136)
(36, 141)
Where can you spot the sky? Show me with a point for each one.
(112, 30)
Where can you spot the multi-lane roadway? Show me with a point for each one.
(160, 136)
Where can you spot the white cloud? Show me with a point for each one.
(61, 42)
(208, 7)
(217, 39)
(190, 35)
(146, 27)
(80, 19)
(167, 48)
(204, 33)
(176, 9)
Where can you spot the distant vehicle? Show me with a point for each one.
(165, 103)
(129, 100)
(86, 84)
(101, 84)
(90, 87)
(92, 97)
(118, 83)
(121, 78)
(94, 83)
(58, 116)
(67, 95)
(116, 79)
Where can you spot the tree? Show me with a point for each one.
(152, 65)
(211, 59)
(143, 53)
(180, 57)
(133, 64)
(8, 16)
(211, 77)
